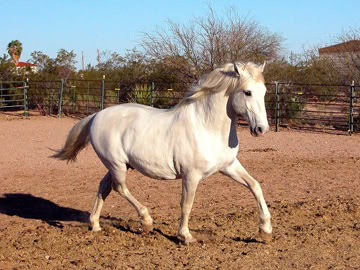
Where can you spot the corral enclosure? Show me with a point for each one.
(320, 107)
(310, 181)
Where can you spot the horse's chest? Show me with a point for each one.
(210, 161)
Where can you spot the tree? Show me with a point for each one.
(133, 66)
(62, 66)
(306, 67)
(41, 60)
(66, 59)
(46, 68)
(65, 63)
(109, 61)
(210, 41)
(350, 60)
(14, 49)
(136, 66)
(7, 69)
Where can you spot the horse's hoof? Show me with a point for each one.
(266, 237)
(147, 228)
(95, 229)
(186, 240)
(189, 240)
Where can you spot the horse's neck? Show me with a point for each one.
(215, 114)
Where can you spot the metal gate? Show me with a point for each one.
(13, 96)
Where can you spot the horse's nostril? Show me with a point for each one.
(260, 130)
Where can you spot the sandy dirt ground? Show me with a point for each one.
(310, 181)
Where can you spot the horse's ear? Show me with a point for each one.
(262, 67)
(236, 69)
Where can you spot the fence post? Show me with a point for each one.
(351, 108)
(26, 108)
(277, 106)
(102, 93)
(61, 91)
(151, 94)
(118, 94)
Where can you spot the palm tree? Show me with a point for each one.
(14, 49)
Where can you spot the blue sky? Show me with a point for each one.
(116, 25)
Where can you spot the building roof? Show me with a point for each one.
(349, 46)
(25, 64)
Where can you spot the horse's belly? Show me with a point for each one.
(156, 171)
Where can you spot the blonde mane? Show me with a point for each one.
(224, 78)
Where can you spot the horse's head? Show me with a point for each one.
(248, 98)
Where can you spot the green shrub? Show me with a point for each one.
(141, 94)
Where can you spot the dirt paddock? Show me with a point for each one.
(310, 181)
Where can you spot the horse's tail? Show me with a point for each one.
(77, 139)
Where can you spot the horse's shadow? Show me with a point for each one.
(248, 240)
(126, 227)
(31, 207)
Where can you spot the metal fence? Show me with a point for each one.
(85, 97)
(13, 96)
(316, 107)
(331, 108)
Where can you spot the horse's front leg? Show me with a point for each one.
(189, 186)
(237, 172)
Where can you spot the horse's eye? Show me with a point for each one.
(247, 93)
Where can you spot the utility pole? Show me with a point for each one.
(98, 56)
(82, 60)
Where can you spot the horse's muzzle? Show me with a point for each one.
(259, 130)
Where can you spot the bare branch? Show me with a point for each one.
(207, 42)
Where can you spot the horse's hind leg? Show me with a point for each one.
(239, 174)
(104, 191)
(119, 185)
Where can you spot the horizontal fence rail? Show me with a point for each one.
(332, 108)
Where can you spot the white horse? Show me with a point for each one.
(191, 141)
